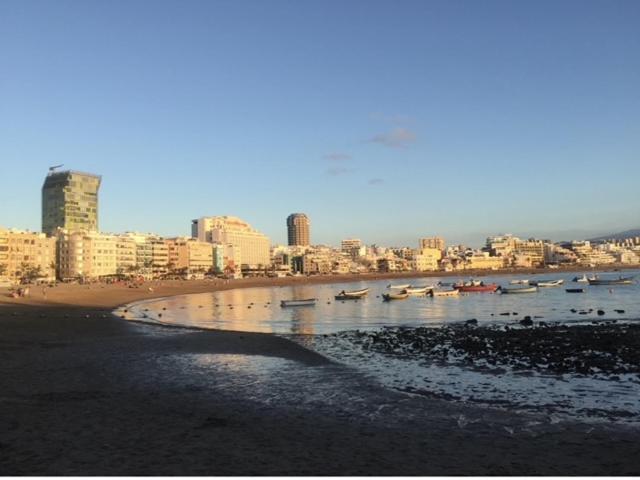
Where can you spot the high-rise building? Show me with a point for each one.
(253, 245)
(70, 201)
(298, 229)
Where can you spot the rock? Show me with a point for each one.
(600, 312)
(573, 310)
(472, 321)
(618, 311)
(505, 313)
(527, 322)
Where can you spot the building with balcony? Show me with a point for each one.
(26, 255)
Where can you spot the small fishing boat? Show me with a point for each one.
(574, 290)
(547, 283)
(611, 281)
(352, 295)
(444, 293)
(445, 284)
(519, 282)
(398, 287)
(582, 279)
(387, 297)
(417, 290)
(465, 288)
(519, 289)
(298, 303)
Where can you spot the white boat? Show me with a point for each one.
(519, 289)
(418, 290)
(395, 296)
(352, 295)
(582, 279)
(398, 287)
(444, 293)
(548, 283)
(298, 303)
(519, 282)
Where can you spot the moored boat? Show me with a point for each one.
(352, 295)
(547, 283)
(574, 290)
(298, 303)
(519, 282)
(519, 289)
(398, 287)
(582, 279)
(611, 281)
(395, 296)
(418, 290)
(444, 293)
(491, 287)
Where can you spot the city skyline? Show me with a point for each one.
(431, 119)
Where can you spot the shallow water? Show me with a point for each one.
(325, 328)
(258, 309)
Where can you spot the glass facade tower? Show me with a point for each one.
(70, 201)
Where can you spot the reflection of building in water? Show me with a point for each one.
(302, 320)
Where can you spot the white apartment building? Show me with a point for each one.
(225, 230)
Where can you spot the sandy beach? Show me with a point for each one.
(87, 393)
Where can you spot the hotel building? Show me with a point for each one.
(298, 229)
(70, 201)
(225, 230)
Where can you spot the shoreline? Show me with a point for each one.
(88, 393)
(113, 296)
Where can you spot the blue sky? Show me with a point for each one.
(384, 120)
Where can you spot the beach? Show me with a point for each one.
(87, 393)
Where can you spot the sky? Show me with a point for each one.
(381, 120)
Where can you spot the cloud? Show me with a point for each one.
(375, 181)
(337, 157)
(396, 138)
(336, 171)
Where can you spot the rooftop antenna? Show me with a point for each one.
(53, 169)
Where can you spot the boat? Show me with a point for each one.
(519, 282)
(444, 293)
(298, 303)
(466, 288)
(418, 290)
(387, 297)
(547, 283)
(398, 287)
(582, 279)
(611, 281)
(533, 289)
(352, 295)
(574, 290)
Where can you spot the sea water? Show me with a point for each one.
(326, 328)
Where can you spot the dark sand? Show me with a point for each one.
(86, 393)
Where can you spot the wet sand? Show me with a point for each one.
(86, 393)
